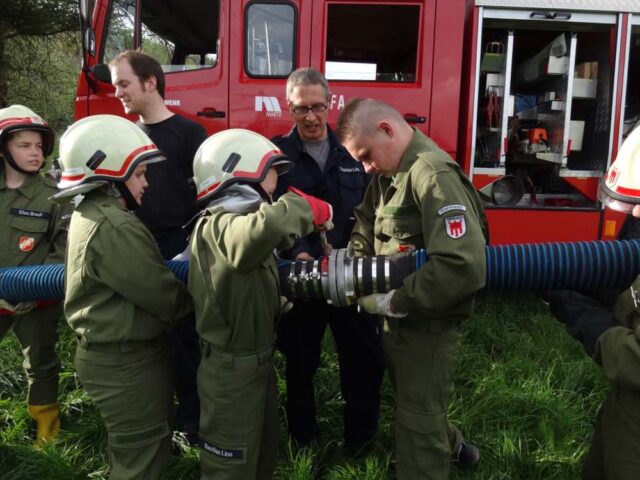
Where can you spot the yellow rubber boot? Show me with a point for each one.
(47, 419)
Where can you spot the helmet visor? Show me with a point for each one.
(282, 164)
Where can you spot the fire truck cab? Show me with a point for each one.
(541, 90)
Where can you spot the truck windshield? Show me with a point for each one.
(180, 34)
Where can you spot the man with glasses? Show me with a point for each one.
(323, 168)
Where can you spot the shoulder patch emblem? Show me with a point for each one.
(456, 226)
(449, 208)
(26, 244)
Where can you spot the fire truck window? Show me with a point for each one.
(180, 34)
(369, 42)
(270, 37)
(120, 29)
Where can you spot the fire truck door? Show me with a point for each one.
(270, 40)
(382, 50)
(190, 39)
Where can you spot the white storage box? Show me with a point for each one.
(557, 66)
(584, 87)
(576, 132)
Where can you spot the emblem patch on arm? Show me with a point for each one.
(455, 226)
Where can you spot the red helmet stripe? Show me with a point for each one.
(72, 178)
(125, 165)
(19, 121)
(630, 192)
(207, 190)
(263, 161)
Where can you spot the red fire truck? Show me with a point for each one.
(544, 90)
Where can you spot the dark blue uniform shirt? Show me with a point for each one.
(342, 184)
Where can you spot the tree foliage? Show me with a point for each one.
(37, 17)
(30, 21)
(43, 73)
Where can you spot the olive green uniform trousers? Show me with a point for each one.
(421, 359)
(615, 446)
(37, 332)
(239, 415)
(130, 382)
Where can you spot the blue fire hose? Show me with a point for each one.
(544, 266)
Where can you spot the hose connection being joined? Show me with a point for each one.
(340, 277)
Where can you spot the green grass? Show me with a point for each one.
(525, 393)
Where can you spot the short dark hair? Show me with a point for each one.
(144, 66)
(347, 123)
(360, 116)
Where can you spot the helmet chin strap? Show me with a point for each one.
(129, 201)
(263, 193)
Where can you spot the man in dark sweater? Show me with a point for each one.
(323, 168)
(169, 201)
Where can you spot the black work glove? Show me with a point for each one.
(586, 319)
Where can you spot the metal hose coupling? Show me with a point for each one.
(341, 277)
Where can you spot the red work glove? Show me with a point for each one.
(322, 211)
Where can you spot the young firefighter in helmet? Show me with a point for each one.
(32, 231)
(233, 280)
(611, 335)
(120, 298)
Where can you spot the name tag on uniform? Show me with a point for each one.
(349, 170)
(25, 212)
(222, 452)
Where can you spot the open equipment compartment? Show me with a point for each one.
(544, 102)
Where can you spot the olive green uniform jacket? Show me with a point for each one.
(120, 298)
(428, 204)
(33, 231)
(615, 447)
(118, 288)
(233, 279)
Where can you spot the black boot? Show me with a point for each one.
(467, 455)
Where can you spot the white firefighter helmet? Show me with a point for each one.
(16, 118)
(234, 156)
(101, 149)
(620, 186)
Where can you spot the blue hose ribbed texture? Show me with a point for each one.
(542, 266)
(553, 266)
